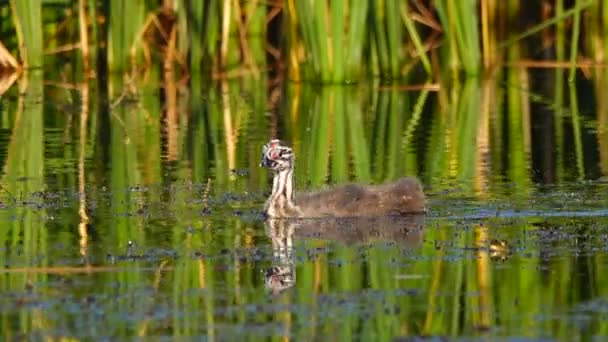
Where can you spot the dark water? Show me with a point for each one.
(123, 217)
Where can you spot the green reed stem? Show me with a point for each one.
(210, 16)
(539, 27)
(576, 131)
(126, 19)
(27, 18)
(413, 34)
(560, 52)
(461, 28)
(393, 28)
(337, 40)
(356, 136)
(339, 156)
(408, 133)
(394, 128)
(380, 46)
(468, 118)
(320, 152)
(379, 137)
(574, 44)
(357, 31)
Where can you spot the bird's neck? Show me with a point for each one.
(282, 185)
(281, 204)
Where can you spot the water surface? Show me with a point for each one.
(121, 216)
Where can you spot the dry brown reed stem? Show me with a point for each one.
(151, 30)
(245, 49)
(425, 17)
(7, 80)
(555, 64)
(423, 86)
(63, 48)
(63, 85)
(488, 10)
(19, 32)
(225, 33)
(482, 140)
(276, 10)
(75, 269)
(7, 61)
(171, 98)
(483, 318)
(228, 130)
(82, 203)
(150, 20)
(84, 35)
(20, 106)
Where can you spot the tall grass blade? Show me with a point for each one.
(518, 120)
(539, 27)
(339, 155)
(356, 38)
(126, 20)
(357, 139)
(574, 42)
(27, 17)
(337, 46)
(413, 34)
(576, 131)
(408, 133)
(23, 175)
(463, 36)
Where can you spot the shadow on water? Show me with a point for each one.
(122, 217)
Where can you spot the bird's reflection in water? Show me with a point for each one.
(406, 231)
(282, 274)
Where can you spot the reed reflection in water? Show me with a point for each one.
(123, 217)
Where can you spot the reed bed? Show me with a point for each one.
(318, 40)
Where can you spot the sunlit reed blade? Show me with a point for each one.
(122, 33)
(379, 134)
(356, 136)
(576, 131)
(396, 117)
(467, 127)
(23, 177)
(27, 17)
(518, 105)
(321, 148)
(339, 152)
(413, 34)
(539, 27)
(462, 33)
(574, 42)
(408, 132)
(355, 39)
